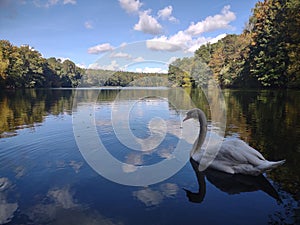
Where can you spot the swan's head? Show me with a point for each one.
(192, 114)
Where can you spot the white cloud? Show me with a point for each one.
(180, 41)
(62, 59)
(211, 23)
(139, 59)
(196, 43)
(73, 2)
(181, 38)
(50, 3)
(216, 39)
(93, 66)
(81, 65)
(162, 44)
(172, 59)
(166, 14)
(148, 24)
(189, 39)
(202, 40)
(106, 47)
(130, 6)
(120, 55)
(123, 45)
(114, 66)
(176, 42)
(88, 25)
(151, 70)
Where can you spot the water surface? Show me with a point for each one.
(45, 180)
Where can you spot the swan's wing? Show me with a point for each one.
(237, 152)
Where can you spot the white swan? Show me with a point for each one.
(234, 156)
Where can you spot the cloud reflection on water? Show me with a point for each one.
(151, 197)
(7, 209)
(60, 207)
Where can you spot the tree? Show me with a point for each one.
(3, 67)
(268, 56)
(24, 67)
(200, 73)
(68, 74)
(13, 72)
(32, 67)
(179, 72)
(292, 27)
(204, 53)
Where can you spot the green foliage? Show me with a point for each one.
(24, 67)
(123, 78)
(204, 53)
(275, 44)
(26, 107)
(292, 26)
(224, 61)
(179, 73)
(265, 55)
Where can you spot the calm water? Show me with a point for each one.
(44, 179)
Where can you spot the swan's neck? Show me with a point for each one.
(203, 128)
(202, 132)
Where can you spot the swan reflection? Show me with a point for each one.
(229, 183)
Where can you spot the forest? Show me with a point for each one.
(24, 67)
(97, 77)
(265, 55)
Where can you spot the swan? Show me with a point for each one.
(234, 156)
(229, 183)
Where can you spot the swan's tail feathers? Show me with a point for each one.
(270, 165)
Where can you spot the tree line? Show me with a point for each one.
(97, 77)
(24, 67)
(265, 55)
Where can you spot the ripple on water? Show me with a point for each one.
(53, 138)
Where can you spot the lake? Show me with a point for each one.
(49, 172)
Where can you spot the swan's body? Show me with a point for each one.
(234, 155)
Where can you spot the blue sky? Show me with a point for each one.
(83, 31)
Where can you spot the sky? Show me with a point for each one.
(92, 30)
